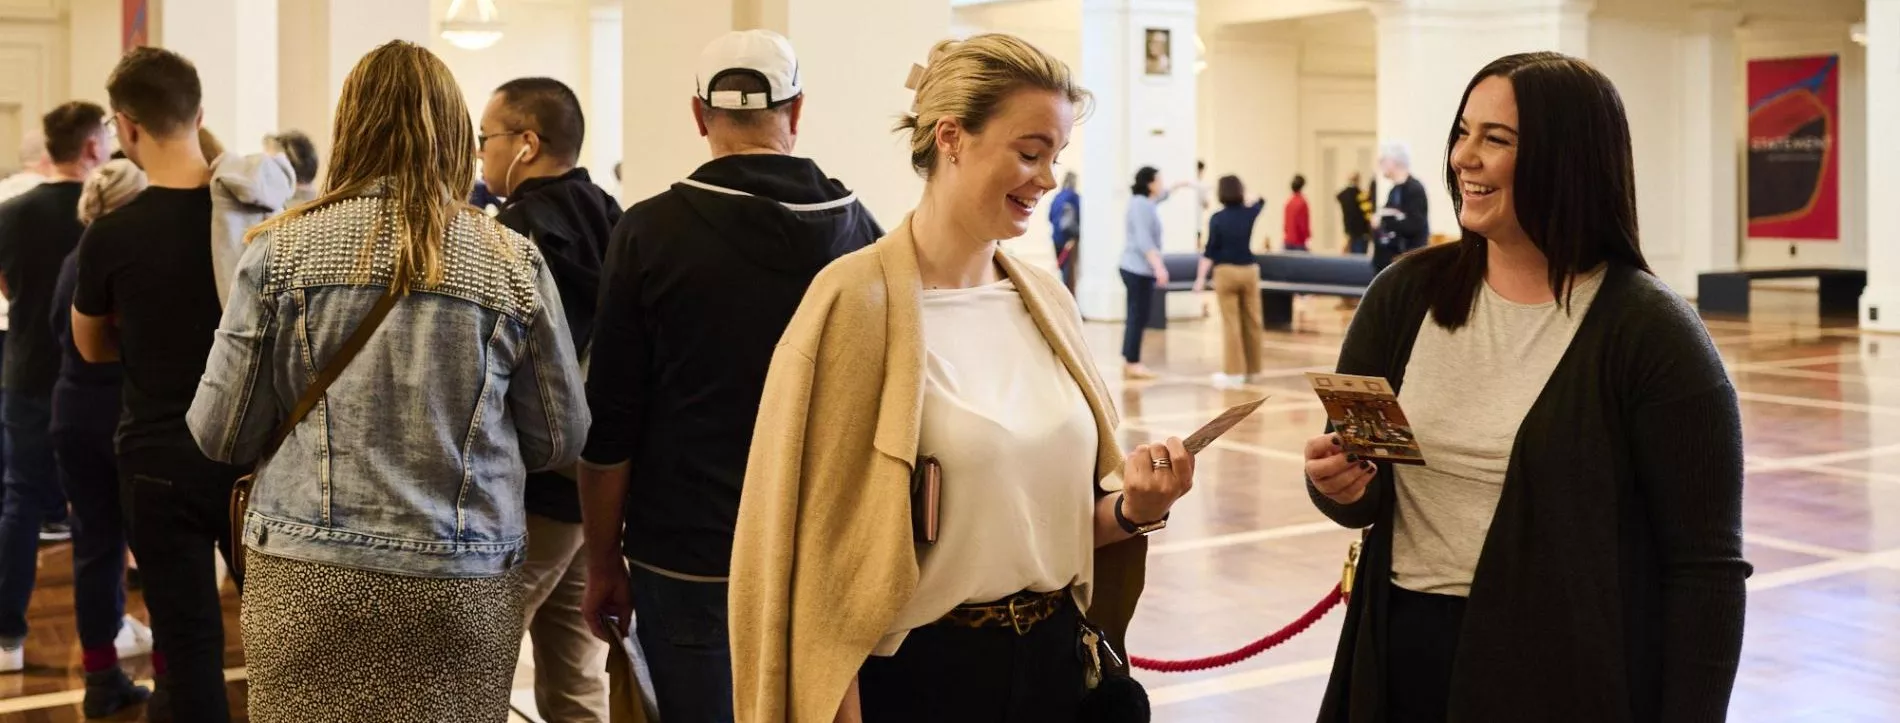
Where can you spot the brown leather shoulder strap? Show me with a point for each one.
(358, 339)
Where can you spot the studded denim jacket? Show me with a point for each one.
(415, 461)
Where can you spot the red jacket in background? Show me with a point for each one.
(1299, 225)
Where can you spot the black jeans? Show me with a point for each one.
(951, 673)
(1423, 639)
(89, 471)
(682, 630)
(32, 480)
(1141, 293)
(177, 514)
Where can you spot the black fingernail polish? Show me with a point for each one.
(1352, 457)
(1370, 467)
(1336, 441)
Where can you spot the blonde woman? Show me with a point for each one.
(932, 344)
(383, 532)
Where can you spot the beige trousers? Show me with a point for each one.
(1238, 289)
(570, 664)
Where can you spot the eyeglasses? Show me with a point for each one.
(481, 141)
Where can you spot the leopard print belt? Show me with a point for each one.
(1019, 612)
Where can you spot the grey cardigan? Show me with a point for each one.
(1611, 585)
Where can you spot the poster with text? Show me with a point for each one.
(1794, 148)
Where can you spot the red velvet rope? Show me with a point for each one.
(1251, 649)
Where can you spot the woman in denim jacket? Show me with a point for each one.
(382, 535)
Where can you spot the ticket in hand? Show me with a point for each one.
(1366, 416)
(1213, 430)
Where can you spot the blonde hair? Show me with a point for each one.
(109, 187)
(401, 125)
(967, 80)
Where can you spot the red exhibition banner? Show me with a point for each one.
(1794, 185)
(133, 24)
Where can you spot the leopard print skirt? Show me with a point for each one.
(326, 643)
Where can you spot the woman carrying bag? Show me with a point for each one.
(382, 533)
(933, 358)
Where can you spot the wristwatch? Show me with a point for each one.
(1137, 528)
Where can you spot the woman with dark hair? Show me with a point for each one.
(1142, 269)
(1229, 256)
(1573, 550)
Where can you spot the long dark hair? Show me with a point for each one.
(1143, 179)
(1575, 184)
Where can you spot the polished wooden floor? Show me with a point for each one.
(1247, 552)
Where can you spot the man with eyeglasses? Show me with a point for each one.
(530, 141)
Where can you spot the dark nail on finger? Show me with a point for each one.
(1336, 441)
(1352, 457)
(1370, 467)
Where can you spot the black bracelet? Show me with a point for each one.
(1136, 528)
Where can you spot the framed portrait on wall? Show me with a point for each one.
(1158, 47)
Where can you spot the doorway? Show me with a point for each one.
(1340, 155)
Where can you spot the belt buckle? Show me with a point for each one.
(1016, 619)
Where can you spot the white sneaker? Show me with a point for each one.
(134, 638)
(13, 660)
(1229, 381)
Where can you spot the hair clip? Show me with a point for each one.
(914, 82)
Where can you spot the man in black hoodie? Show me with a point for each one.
(701, 282)
(531, 136)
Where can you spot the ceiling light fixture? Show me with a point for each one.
(471, 24)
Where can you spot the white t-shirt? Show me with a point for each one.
(1016, 440)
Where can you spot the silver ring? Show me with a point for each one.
(1162, 462)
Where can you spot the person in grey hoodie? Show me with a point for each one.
(245, 190)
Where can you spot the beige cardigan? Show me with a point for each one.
(823, 558)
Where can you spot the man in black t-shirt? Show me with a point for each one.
(145, 296)
(37, 230)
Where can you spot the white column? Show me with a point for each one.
(320, 41)
(605, 113)
(662, 40)
(1711, 134)
(233, 43)
(1139, 120)
(1429, 53)
(1880, 303)
(854, 87)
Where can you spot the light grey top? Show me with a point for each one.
(1465, 393)
(1144, 234)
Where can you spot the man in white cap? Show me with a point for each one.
(699, 284)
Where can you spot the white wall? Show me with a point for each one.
(854, 83)
(605, 111)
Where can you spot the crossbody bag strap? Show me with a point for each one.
(358, 339)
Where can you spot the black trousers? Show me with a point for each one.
(953, 674)
(1422, 634)
(177, 515)
(1141, 293)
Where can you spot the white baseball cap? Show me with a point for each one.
(760, 53)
